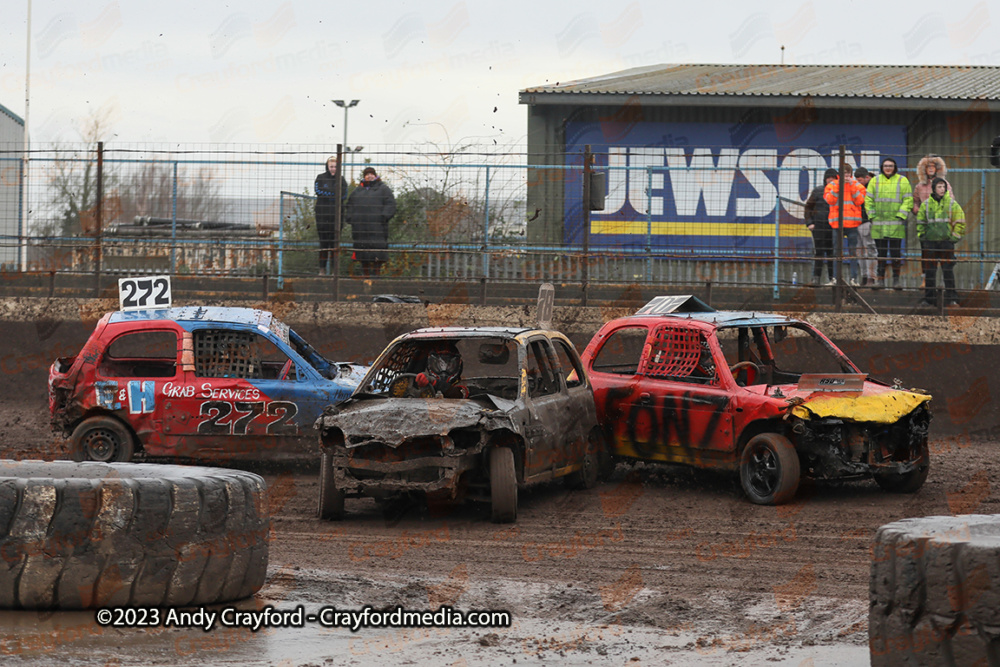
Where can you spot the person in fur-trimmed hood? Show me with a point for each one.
(930, 167)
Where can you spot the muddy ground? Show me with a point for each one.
(657, 566)
(660, 565)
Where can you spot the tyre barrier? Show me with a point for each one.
(85, 535)
(935, 592)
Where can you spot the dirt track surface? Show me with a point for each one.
(663, 565)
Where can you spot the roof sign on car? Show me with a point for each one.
(546, 302)
(144, 293)
(681, 303)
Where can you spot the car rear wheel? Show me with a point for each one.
(331, 499)
(769, 469)
(103, 439)
(607, 462)
(503, 485)
(907, 482)
(591, 464)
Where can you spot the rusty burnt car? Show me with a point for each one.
(462, 413)
(763, 394)
(194, 382)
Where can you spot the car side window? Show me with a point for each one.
(542, 379)
(680, 354)
(228, 353)
(141, 354)
(568, 364)
(274, 364)
(621, 351)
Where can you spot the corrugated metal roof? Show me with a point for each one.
(13, 116)
(885, 82)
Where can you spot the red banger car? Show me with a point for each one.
(205, 382)
(764, 394)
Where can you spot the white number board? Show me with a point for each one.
(684, 303)
(546, 301)
(145, 293)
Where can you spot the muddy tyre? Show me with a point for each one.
(769, 469)
(85, 535)
(503, 485)
(908, 482)
(934, 597)
(592, 463)
(103, 439)
(331, 499)
(607, 462)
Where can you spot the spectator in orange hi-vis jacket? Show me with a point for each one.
(854, 200)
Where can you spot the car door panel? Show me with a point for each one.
(671, 409)
(252, 415)
(547, 418)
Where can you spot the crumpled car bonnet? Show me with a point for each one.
(393, 420)
(886, 407)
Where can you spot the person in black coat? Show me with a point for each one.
(369, 209)
(816, 214)
(326, 210)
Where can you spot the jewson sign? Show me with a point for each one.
(713, 186)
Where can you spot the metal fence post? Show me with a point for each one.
(22, 211)
(777, 242)
(281, 240)
(173, 225)
(838, 261)
(338, 218)
(982, 228)
(586, 222)
(99, 221)
(486, 233)
(649, 224)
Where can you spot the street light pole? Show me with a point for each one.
(22, 223)
(345, 105)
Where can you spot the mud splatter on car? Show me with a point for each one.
(463, 413)
(767, 395)
(194, 382)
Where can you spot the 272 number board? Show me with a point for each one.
(144, 293)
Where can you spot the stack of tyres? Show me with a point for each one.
(87, 535)
(935, 592)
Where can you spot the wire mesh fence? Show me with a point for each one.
(460, 214)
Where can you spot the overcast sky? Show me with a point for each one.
(434, 70)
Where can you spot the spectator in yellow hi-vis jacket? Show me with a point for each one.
(940, 224)
(888, 199)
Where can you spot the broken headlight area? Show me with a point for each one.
(829, 447)
(904, 442)
(412, 448)
(424, 463)
(363, 447)
(838, 448)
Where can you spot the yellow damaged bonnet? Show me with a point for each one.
(882, 408)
